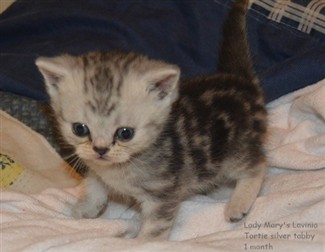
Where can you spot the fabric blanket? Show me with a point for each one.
(288, 215)
(27, 161)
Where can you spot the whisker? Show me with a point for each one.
(76, 163)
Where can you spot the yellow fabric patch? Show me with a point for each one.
(9, 171)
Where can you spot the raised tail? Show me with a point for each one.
(235, 54)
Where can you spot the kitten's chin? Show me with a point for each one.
(104, 162)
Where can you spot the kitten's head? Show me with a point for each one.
(110, 106)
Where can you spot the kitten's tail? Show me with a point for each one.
(234, 54)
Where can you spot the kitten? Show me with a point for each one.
(146, 135)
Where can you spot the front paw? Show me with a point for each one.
(89, 210)
(235, 211)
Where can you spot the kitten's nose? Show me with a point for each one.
(100, 150)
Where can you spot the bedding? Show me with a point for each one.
(32, 113)
(288, 215)
(28, 163)
(287, 43)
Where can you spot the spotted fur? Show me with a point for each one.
(190, 136)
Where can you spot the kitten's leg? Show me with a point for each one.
(157, 219)
(94, 200)
(244, 195)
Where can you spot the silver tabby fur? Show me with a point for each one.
(189, 136)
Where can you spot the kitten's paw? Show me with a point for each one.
(89, 210)
(235, 212)
(127, 235)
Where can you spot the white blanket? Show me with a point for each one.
(288, 214)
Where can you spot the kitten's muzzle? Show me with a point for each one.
(101, 151)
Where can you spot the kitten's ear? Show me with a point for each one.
(53, 70)
(163, 82)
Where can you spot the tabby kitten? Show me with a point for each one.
(145, 135)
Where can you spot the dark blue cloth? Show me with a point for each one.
(183, 32)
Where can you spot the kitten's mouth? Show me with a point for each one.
(107, 161)
(103, 158)
(99, 159)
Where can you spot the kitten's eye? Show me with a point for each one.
(80, 129)
(125, 134)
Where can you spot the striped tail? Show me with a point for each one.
(234, 53)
